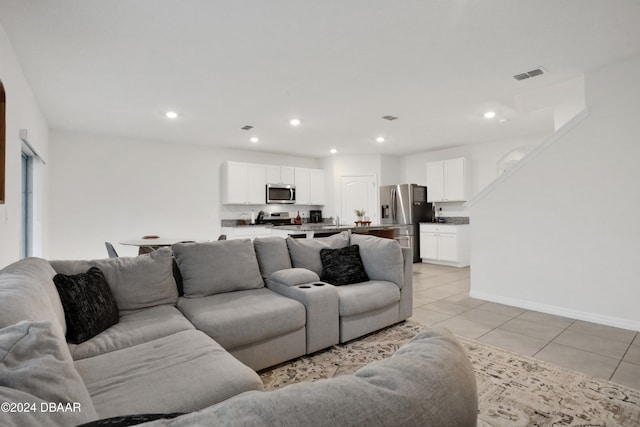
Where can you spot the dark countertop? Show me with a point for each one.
(329, 227)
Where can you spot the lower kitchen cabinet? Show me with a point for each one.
(246, 232)
(444, 244)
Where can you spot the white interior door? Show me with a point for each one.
(358, 192)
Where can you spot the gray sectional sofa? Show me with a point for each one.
(195, 323)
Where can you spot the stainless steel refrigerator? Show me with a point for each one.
(406, 205)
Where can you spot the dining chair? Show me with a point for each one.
(111, 250)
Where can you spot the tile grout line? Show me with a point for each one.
(553, 339)
(502, 324)
(623, 356)
(546, 345)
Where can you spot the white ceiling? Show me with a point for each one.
(115, 67)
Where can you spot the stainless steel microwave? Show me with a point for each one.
(281, 194)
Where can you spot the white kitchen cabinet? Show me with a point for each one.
(280, 174)
(444, 244)
(316, 187)
(301, 181)
(246, 232)
(447, 181)
(243, 183)
(310, 187)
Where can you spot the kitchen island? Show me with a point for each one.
(323, 230)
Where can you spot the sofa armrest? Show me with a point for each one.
(321, 304)
(294, 276)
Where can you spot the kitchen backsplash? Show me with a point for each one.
(457, 220)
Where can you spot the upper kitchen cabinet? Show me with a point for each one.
(243, 183)
(446, 181)
(310, 186)
(280, 174)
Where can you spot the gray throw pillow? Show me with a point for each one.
(305, 253)
(343, 266)
(89, 306)
(135, 282)
(216, 267)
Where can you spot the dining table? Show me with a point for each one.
(151, 243)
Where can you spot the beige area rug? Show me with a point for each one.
(513, 390)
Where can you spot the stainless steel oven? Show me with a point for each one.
(280, 194)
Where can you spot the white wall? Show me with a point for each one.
(114, 189)
(560, 234)
(481, 163)
(22, 112)
(482, 168)
(349, 165)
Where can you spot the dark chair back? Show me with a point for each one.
(110, 250)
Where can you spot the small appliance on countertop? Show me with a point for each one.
(315, 216)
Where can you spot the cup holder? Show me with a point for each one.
(311, 285)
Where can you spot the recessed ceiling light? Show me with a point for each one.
(333, 151)
(254, 139)
(503, 120)
(380, 139)
(294, 122)
(171, 114)
(246, 127)
(390, 117)
(489, 115)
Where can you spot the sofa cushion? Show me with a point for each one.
(428, 382)
(134, 328)
(272, 254)
(305, 253)
(215, 267)
(367, 296)
(382, 258)
(37, 368)
(235, 319)
(89, 306)
(136, 282)
(27, 292)
(343, 266)
(182, 372)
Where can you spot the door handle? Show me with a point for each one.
(394, 205)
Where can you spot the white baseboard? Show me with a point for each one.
(445, 263)
(617, 322)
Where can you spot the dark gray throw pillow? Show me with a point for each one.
(343, 266)
(89, 306)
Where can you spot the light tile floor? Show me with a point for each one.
(441, 297)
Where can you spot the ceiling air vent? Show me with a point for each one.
(532, 73)
(390, 118)
(246, 127)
